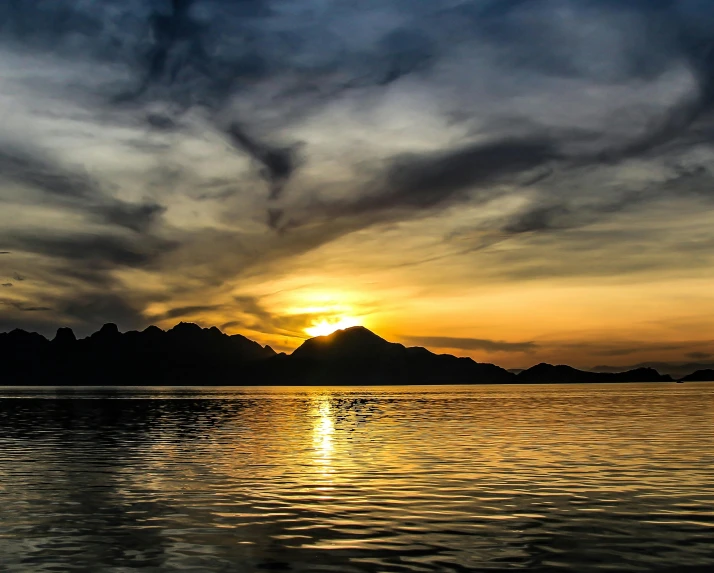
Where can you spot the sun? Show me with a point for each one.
(325, 326)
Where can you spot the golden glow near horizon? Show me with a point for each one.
(369, 206)
(328, 326)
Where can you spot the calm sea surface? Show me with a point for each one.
(537, 478)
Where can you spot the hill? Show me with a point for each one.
(358, 356)
(561, 374)
(700, 376)
(185, 354)
(190, 355)
(676, 370)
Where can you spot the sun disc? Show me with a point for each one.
(325, 327)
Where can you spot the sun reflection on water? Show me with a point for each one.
(323, 431)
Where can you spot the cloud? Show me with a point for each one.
(92, 308)
(136, 217)
(73, 188)
(22, 307)
(626, 351)
(471, 344)
(547, 215)
(137, 135)
(415, 183)
(183, 311)
(257, 318)
(278, 164)
(102, 251)
(30, 169)
(427, 180)
(699, 355)
(178, 64)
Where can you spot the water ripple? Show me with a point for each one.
(448, 479)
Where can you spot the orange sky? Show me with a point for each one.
(517, 182)
(454, 303)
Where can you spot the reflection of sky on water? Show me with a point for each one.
(386, 479)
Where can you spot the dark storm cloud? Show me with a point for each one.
(137, 217)
(656, 35)
(699, 355)
(686, 34)
(46, 25)
(82, 308)
(256, 317)
(553, 213)
(427, 180)
(30, 169)
(533, 32)
(407, 51)
(471, 344)
(184, 311)
(540, 218)
(101, 251)
(685, 180)
(278, 163)
(179, 62)
(252, 69)
(274, 217)
(422, 182)
(167, 31)
(22, 307)
(90, 308)
(73, 188)
(545, 217)
(205, 52)
(30, 322)
(177, 58)
(626, 351)
(668, 34)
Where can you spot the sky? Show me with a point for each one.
(513, 180)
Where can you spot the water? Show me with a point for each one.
(539, 478)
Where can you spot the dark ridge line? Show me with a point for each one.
(188, 354)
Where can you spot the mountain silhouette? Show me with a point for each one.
(357, 355)
(676, 370)
(188, 354)
(561, 374)
(700, 376)
(350, 343)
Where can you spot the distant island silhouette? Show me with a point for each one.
(706, 375)
(188, 354)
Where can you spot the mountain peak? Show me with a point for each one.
(64, 336)
(109, 331)
(153, 330)
(353, 341)
(185, 327)
(354, 333)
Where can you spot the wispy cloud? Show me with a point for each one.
(470, 344)
(162, 154)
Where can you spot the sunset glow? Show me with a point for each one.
(325, 327)
(439, 176)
